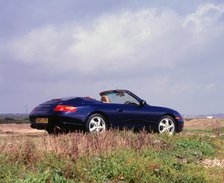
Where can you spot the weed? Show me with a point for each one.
(217, 128)
(112, 156)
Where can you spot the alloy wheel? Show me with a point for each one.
(97, 124)
(166, 125)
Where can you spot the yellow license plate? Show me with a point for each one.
(41, 120)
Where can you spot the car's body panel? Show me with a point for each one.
(117, 115)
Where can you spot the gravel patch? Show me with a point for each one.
(208, 163)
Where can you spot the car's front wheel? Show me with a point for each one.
(167, 125)
(96, 123)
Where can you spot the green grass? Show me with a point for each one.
(111, 157)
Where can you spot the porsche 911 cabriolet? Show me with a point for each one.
(119, 109)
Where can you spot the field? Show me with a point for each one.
(195, 155)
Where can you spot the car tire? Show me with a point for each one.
(54, 130)
(167, 125)
(96, 123)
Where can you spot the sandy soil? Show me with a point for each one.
(204, 124)
(19, 129)
(24, 129)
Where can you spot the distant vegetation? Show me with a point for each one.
(216, 116)
(14, 118)
(114, 156)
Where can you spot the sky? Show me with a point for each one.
(168, 52)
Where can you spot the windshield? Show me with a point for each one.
(121, 98)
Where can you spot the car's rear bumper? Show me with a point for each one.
(63, 122)
(38, 126)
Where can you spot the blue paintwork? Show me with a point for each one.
(117, 115)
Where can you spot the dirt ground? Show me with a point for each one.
(204, 124)
(25, 129)
(19, 129)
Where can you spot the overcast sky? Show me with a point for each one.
(168, 52)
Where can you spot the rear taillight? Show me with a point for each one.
(65, 108)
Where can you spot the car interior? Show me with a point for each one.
(105, 99)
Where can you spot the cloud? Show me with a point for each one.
(111, 42)
(147, 37)
(205, 16)
(158, 50)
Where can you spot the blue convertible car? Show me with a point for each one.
(117, 109)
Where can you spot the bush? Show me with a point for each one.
(110, 157)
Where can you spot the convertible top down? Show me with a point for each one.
(117, 109)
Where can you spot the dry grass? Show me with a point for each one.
(27, 147)
(110, 156)
(18, 129)
(203, 124)
(75, 145)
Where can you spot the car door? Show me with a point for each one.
(132, 116)
(127, 110)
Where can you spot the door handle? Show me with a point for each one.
(119, 110)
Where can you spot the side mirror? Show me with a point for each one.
(142, 103)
